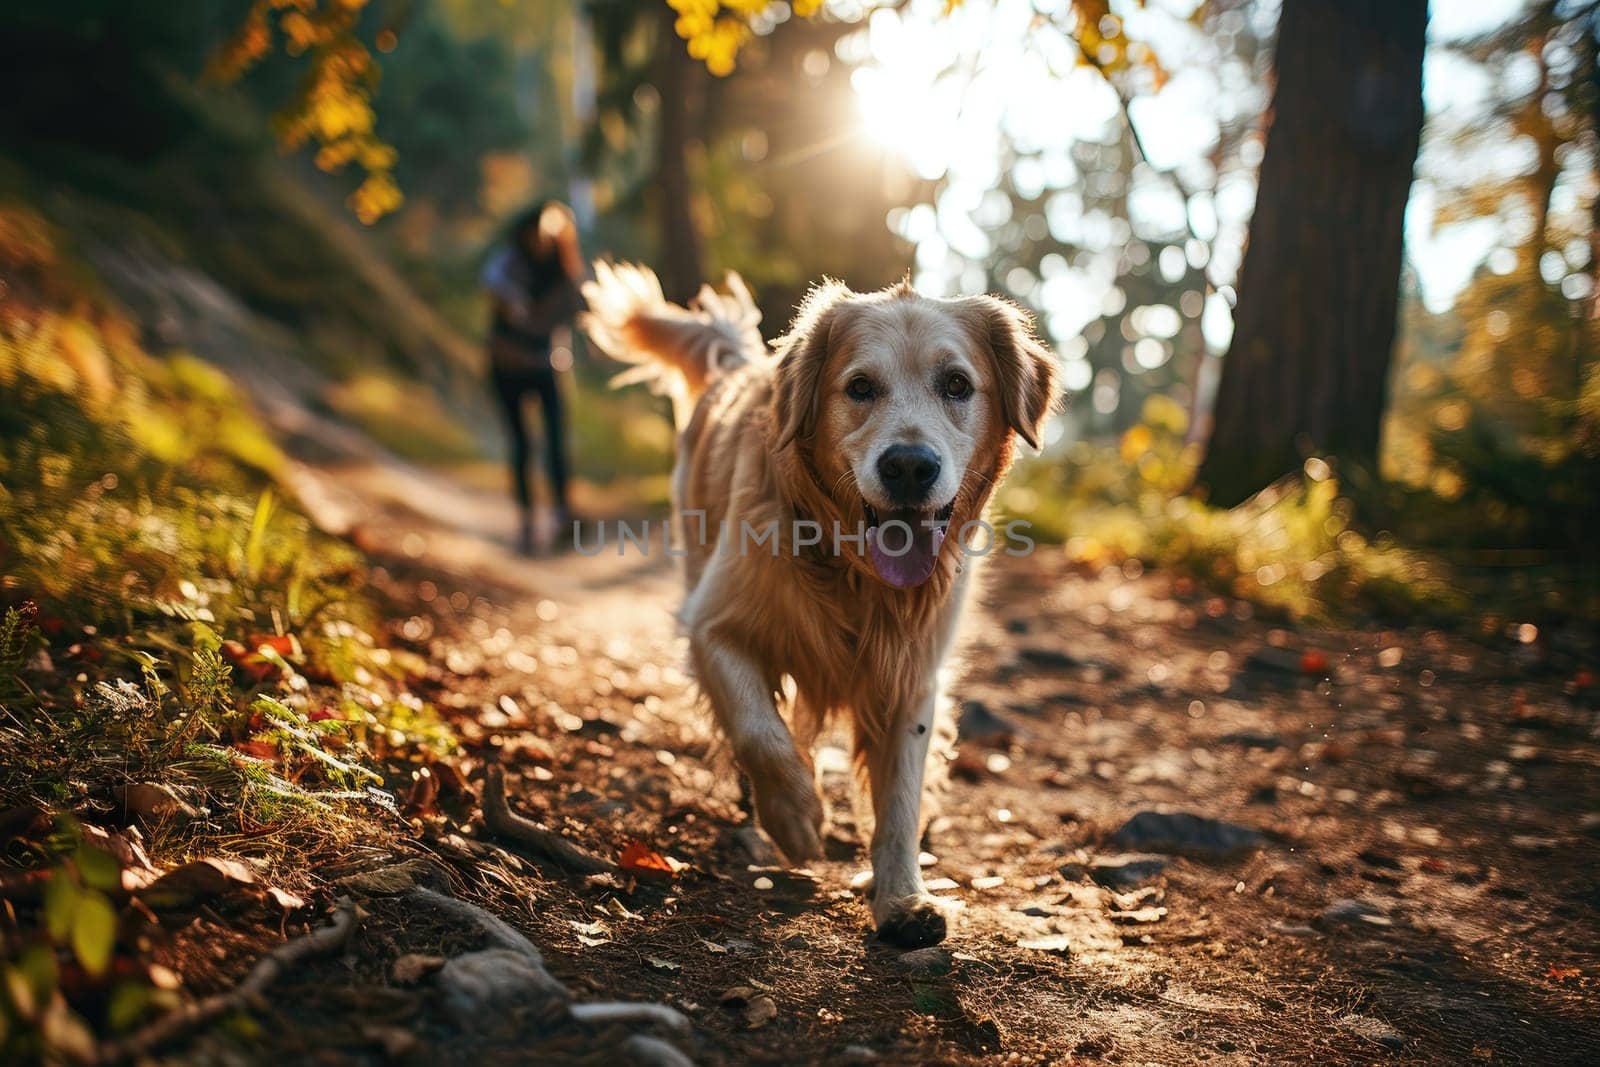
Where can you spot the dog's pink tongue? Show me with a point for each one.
(901, 558)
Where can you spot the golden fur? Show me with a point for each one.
(776, 440)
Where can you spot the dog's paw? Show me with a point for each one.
(785, 794)
(793, 819)
(911, 922)
(753, 846)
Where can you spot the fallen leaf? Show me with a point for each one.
(712, 946)
(413, 967)
(619, 909)
(594, 942)
(645, 862)
(196, 881)
(248, 663)
(284, 899)
(154, 803)
(135, 879)
(760, 1011)
(594, 929)
(284, 645)
(119, 846)
(663, 965)
(1557, 973)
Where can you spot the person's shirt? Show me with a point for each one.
(531, 297)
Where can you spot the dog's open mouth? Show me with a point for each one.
(903, 544)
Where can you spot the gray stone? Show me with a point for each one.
(1245, 739)
(980, 725)
(1183, 832)
(1048, 659)
(924, 961)
(1127, 870)
(1272, 659)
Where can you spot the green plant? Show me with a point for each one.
(1292, 548)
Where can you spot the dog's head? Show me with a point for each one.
(905, 408)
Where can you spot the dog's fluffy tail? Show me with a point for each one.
(678, 350)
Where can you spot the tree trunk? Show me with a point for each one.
(1320, 285)
(681, 82)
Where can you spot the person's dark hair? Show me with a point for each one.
(526, 222)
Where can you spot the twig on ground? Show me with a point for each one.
(500, 819)
(610, 1011)
(267, 970)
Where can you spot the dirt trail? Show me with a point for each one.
(1406, 871)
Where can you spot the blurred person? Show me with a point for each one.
(533, 282)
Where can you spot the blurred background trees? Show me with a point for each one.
(1496, 395)
(339, 168)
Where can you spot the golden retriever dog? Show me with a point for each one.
(815, 489)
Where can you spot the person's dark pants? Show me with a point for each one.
(513, 387)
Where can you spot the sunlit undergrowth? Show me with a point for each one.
(180, 650)
(169, 615)
(1293, 548)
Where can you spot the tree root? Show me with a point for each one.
(471, 987)
(501, 933)
(267, 970)
(647, 1051)
(500, 819)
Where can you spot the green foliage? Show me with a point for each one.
(18, 637)
(145, 537)
(1292, 548)
(449, 100)
(333, 105)
(79, 931)
(1493, 423)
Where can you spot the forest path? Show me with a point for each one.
(1396, 866)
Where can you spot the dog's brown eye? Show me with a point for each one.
(859, 388)
(957, 386)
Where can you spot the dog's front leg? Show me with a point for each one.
(903, 910)
(785, 793)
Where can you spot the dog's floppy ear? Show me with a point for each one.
(804, 354)
(1025, 370)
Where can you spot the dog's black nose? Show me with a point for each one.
(908, 472)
